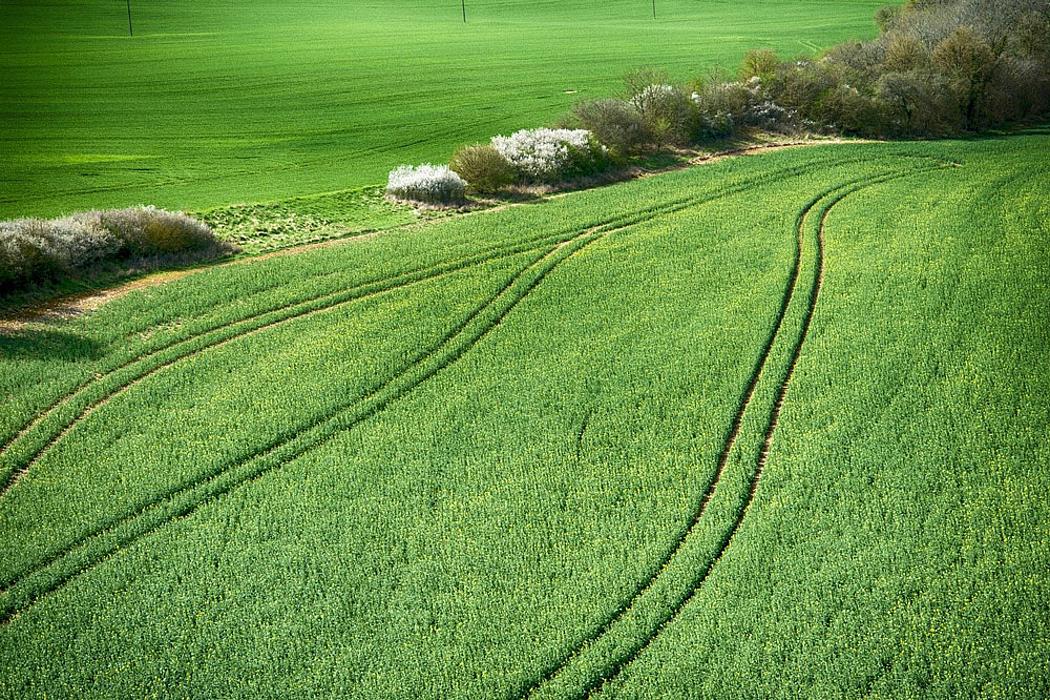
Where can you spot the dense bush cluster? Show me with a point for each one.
(484, 168)
(437, 184)
(39, 250)
(528, 156)
(938, 67)
(552, 155)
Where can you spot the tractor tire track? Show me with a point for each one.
(274, 455)
(183, 501)
(292, 311)
(154, 361)
(768, 434)
(723, 458)
(341, 299)
(647, 584)
(295, 311)
(168, 507)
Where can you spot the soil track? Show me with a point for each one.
(53, 572)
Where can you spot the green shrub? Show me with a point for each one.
(667, 112)
(966, 60)
(904, 53)
(760, 63)
(617, 124)
(483, 167)
(150, 231)
(34, 251)
(887, 16)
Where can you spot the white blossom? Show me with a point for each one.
(544, 154)
(426, 183)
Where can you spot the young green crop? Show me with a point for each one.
(213, 103)
(444, 488)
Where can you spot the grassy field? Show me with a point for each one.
(771, 427)
(215, 103)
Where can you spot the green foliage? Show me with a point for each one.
(484, 169)
(759, 63)
(667, 113)
(966, 61)
(616, 123)
(886, 16)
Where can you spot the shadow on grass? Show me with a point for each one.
(37, 343)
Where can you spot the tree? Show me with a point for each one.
(761, 63)
(967, 62)
(886, 16)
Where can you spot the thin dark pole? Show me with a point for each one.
(654, 8)
(463, 4)
(131, 32)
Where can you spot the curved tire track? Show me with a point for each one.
(122, 531)
(158, 359)
(94, 392)
(604, 628)
(81, 556)
(186, 500)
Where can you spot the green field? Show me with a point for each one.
(770, 427)
(213, 103)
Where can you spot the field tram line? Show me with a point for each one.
(770, 429)
(11, 610)
(621, 612)
(727, 448)
(309, 306)
(298, 309)
(313, 305)
(169, 506)
(357, 293)
(302, 440)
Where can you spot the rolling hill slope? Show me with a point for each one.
(773, 426)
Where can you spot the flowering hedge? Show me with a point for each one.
(37, 250)
(426, 183)
(551, 155)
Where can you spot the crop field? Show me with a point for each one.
(774, 426)
(215, 103)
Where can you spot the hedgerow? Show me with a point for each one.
(552, 155)
(436, 184)
(33, 251)
(483, 167)
(938, 67)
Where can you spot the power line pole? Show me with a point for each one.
(654, 9)
(131, 31)
(463, 4)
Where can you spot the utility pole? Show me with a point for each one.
(131, 32)
(463, 4)
(654, 8)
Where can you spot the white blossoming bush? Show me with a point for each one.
(651, 96)
(437, 184)
(39, 250)
(552, 155)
